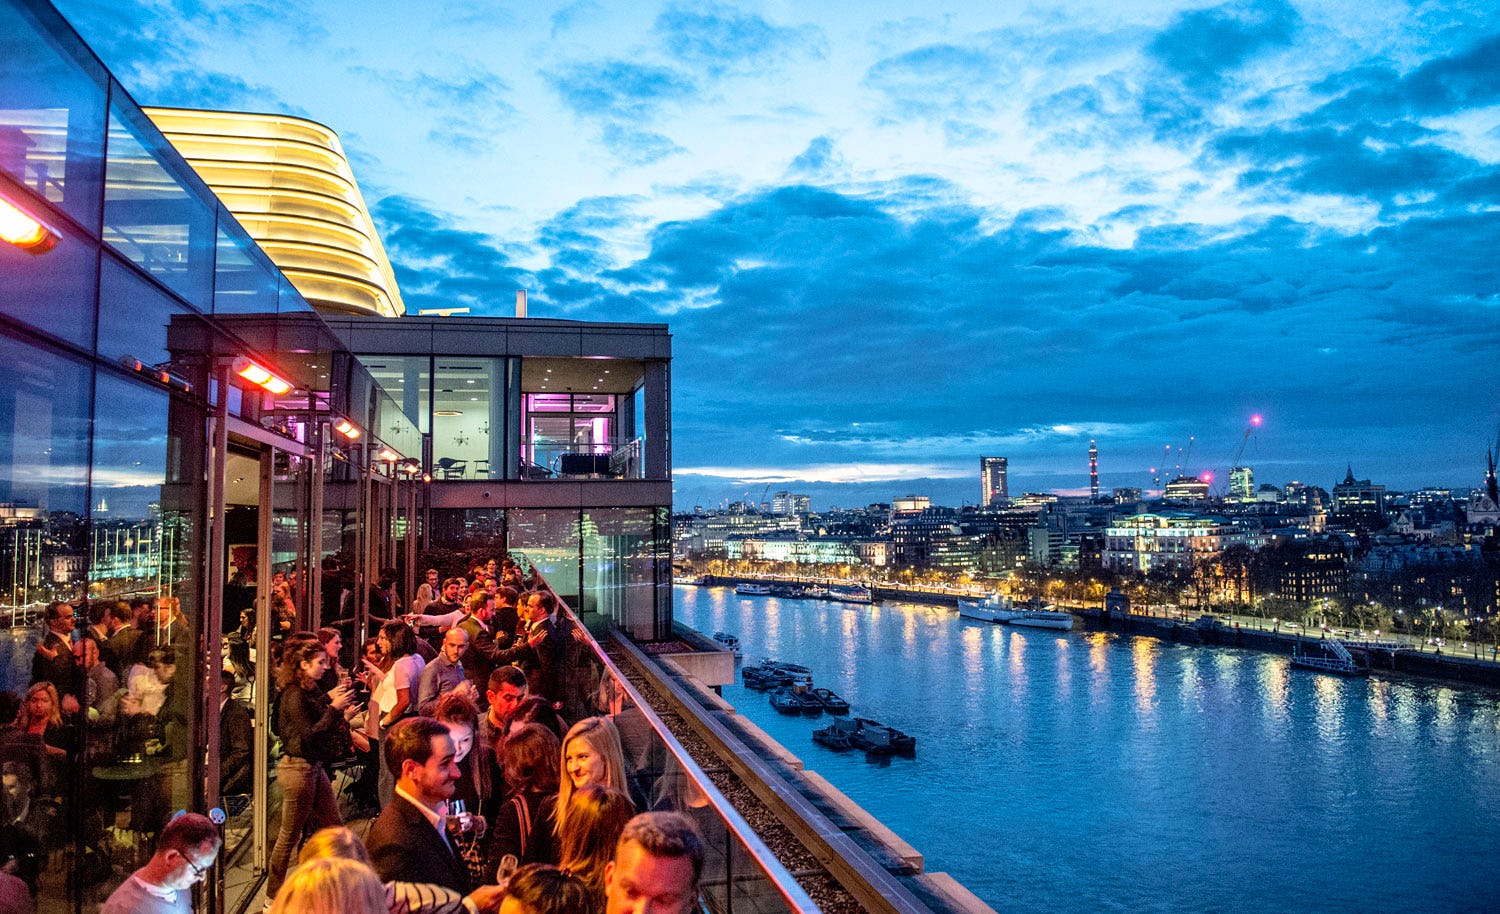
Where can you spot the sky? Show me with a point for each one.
(891, 242)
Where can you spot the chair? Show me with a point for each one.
(451, 468)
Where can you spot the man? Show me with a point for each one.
(539, 650)
(409, 842)
(505, 691)
(121, 649)
(236, 737)
(507, 618)
(53, 661)
(172, 630)
(100, 685)
(427, 594)
(656, 867)
(445, 673)
(185, 853)
(479, 659)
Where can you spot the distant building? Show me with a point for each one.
(1093, 471)
(1125, 495)
(1166, 542)
(1303, 570)
(1186, 489)
(994, 487)
(784, 503)
(1358, 496)
(910, 504)
(1242, 484)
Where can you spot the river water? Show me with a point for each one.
(1088, 771)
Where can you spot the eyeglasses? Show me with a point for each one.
(198, 871)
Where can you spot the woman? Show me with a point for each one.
(41, 715)
(596, 817)
(457, 711)
(523, 827)
(331, 885)
(539, 889)
(393, 695)
(333, 643)
(400, 897)
(590, 755)
(313, 733)
(536, 710)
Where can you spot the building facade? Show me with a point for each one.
(994, 486)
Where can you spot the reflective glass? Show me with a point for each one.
(623, 553)
(134, 314)
(550, 539)
(245, 281)
(408, 379)
(51, 116)
(55, 290)
(468, 418)
(153, 214)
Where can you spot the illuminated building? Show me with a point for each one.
(1186, 489)
(994, 487)
(1241, 484)
(1145, 543)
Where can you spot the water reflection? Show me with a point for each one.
(1143, 661)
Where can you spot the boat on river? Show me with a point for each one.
(830, 700)
(837, 736)
(1042, 618)
(729, 641)
(994, 608)
(877, 739)
(773, 674)
(849, 593)
(794, 700)
(1334, 659)
(753, 590)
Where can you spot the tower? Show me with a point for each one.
(994, 488)
(1093, 471)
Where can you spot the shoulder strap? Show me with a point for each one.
(523, 816)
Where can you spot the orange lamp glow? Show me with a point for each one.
(23, 230)
(260, 375)
(347, 429)
(388, 455)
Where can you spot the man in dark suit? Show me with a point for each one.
(539, 649)
(236, 739)
(53, 661)
(409, 842)
(122, 648)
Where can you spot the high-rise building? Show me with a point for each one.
(1093, 471)
(994, 488)
(1241, 484)
(791, 503)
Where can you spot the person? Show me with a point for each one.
(507, 619)
(590, 755)
(331, 885)
(523, 826)
(236, 737)
(393, 695)
(146, 686)
(657, 864)
(445, 612)
(313, 734)
(479, 658)
(427, 593)
(596, 818)
(537, 710)
(333, 643)
(172, 630)
(41, 715)
(460, 715)
(409, 841)
(53, 660)
(408, 897)
(505, 690)
(539, 649)
(121, 648)
(185, 852)
(540, 889)
(445, 673)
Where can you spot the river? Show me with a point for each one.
(1090, 771)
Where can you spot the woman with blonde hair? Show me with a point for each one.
(331, 885)
(591, 754)
(398, 897)
(596, 817)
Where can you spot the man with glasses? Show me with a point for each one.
(185, 853)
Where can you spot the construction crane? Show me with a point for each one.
(1250, 427)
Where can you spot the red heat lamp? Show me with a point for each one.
(260, 376)
(25, 231)
(347, 429)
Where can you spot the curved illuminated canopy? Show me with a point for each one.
(287, 181)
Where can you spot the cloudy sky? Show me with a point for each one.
(892, 238)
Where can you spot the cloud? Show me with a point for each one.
(440, 266)
(467, 111)
(618, 89)
(569, 16)
(838, 473)
(819, 159)
(1202, 48)
(717, 39)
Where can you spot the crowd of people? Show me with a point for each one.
(454, 715)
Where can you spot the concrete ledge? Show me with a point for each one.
(903, 855)
(767, 746)
(953, 894)
(701, 692)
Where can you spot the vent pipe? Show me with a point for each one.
(520, 303)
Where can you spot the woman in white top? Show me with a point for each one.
(393, 695)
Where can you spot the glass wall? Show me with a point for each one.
(468, 417)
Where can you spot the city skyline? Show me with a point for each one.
(887, 244)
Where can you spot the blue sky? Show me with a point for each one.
(890, 243)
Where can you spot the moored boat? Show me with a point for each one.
(877, 739)
(753, 590)
(849, 593)
(1042, 618)
(729, 641)
(993, 608)
(837, 736)
(830, 701)
(794, 701)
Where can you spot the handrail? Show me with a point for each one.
(795, 897)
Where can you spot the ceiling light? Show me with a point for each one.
(347, 429)
(447, 412)
(388, 455)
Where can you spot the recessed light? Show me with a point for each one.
(473, 398)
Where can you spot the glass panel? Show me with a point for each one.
(468, 404)
(245, 282)
(549, 403)
(549, 536)
(133, 314)
(291, 299)
(54, 291)
(52, 116)
(408, 379)
(153, 214)
(623, 554)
